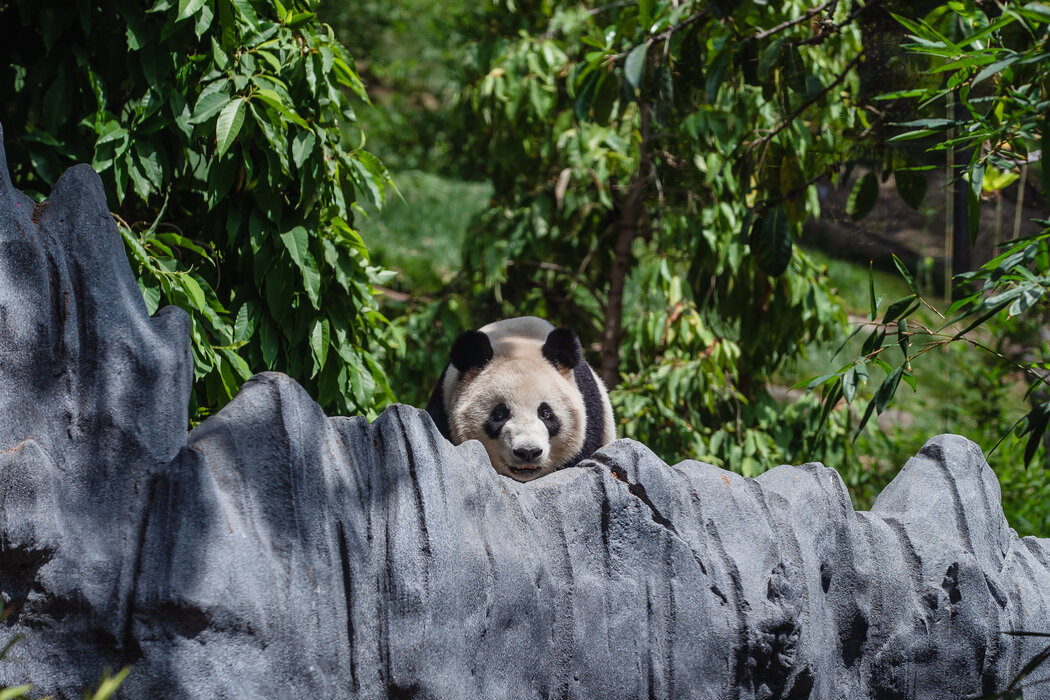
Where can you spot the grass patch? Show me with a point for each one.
(420, 233)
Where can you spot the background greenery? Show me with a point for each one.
(645, 172)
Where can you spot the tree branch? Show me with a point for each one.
(808, 103)
(798, 20)
(628, 231)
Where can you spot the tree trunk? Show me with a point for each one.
(627, 230)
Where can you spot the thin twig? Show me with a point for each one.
(612, 6)
(809, 103)
(819, 38)
(798, 20)
(552, 267)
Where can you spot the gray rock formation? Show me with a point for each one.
(276, 552)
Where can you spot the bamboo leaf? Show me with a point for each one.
(871, 291)
(996, 67)
(905, 273)
(899, 308)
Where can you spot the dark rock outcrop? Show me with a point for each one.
(276, 552)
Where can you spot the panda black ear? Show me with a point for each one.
(471, 349)
(562, 349)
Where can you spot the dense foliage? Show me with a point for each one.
(222, 130)
(652, 165)
(991, 62)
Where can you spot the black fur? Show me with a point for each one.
(592, 409)
(551, 421)
(470, 350)
(562, 349)
(436, 407)
(496, 420)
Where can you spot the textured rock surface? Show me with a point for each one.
(275, 552)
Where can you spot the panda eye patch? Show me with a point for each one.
(546, 415)
(497, 418)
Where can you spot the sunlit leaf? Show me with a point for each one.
(228, 125)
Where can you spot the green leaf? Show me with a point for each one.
(247, 321)
(297, 242)
(299, 18)
(302, 146)
(905, 273)
(272, 99)
(900, 308)
(996, 67)
(1030, 294)
(645, 14)
(771, 242)
(110, 684)
(244, 7)
(871, 290)
(1035, 426)
(270, 343)
(903, 339)
(193, 290)
(849, 384)
(768, 59)
(794, 69)
(228, 125)
(863, 196)
(1045, 158)
(213, 98)
(887, 389)
(911, 186)
(1036, 12)
(717, 72)
(15, 692)
(320, 335)
(188, 8)
(973, 210)
(238, 363)
(911, 135)
(634, 66)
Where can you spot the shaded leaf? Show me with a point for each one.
(771, 242)
(863, 196)
(911, 186)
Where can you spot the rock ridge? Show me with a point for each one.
(274, 551)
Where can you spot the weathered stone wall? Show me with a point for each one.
(276, 552)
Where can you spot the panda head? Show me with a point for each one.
(523, 406)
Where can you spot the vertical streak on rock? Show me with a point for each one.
(348, 597)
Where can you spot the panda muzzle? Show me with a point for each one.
(524, 467)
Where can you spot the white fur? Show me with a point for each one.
(521, 378)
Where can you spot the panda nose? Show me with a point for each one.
(527, 454)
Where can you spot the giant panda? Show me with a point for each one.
(522, 388)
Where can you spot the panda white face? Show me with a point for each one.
(527, 414)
